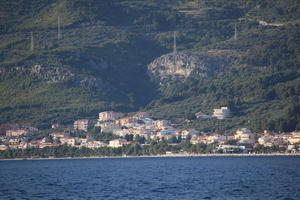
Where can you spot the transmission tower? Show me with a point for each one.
(174, 50)
(31, 42)
(58, 28)
(235, 32)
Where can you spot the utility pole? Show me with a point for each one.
(58, 28)
(31, 42)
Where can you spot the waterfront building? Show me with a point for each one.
(231, 148)
(294, 138)
(68, 140)
(47, 144)
(117, 143)
(198, 139)
(244, 136)
(215, 138)
(3, 147)
(94, 144)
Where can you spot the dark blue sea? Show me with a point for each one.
(152, 178)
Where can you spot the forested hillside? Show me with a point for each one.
(68, 59)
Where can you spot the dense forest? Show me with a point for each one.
(68, 59)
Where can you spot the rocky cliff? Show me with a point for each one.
(170, 67)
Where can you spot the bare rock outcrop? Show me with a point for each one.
(169, 68)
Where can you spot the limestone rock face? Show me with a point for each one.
(51, 74)
(169, 68)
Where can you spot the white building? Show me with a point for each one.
(94, 144)
(215, 138)
(222, 113)
(265, 139)
(162, 123)
(109, 127)
(16, 132)
(109, 116)
(244, 136)
(231, 148)
(187, 132)
(116, 143)
(81, 124)
(58, 135)
(294, 138)
(3, 147)
(68, 140)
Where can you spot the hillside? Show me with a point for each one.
(98, 60)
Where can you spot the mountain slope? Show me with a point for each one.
(100, 60)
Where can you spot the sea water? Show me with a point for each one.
(274, 177)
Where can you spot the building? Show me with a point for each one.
(149, 123)
(47, 144)
(81, 124)
(198, 139)
(162, 124)
(3, 147)
(200, 115)
(167, 136)
(232, 148)
(15, 140)
(222, 113)
(94, 144)
(117, 143)
(141, 115)
(17, 146)
(216, 138)
(109, 116)
(188, 132)
(16, 132)
(294, 138)
(125, 121)
(35, 143)
(244, 136)
(109, 127)
(167, 131)
(266, 140)
(58, 135)
(55, 126)
(68, 140)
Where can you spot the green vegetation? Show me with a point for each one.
(100, 62)
(154, 148)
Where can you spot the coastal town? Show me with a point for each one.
(141, 129)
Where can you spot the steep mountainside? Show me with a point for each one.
(66, 59)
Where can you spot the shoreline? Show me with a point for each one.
(161, 156)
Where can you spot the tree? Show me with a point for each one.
(129, 137)
(231, 142)
(140, 139)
